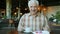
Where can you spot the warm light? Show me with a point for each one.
(15, 13)
(17, 8)
(25, 8)
(44, 9)
(38, 8)
(20, 13)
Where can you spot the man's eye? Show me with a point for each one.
(35, 6)
(30, 6)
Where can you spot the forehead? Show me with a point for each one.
(33, 4)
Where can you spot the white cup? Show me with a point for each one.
(28, 29)
(41, 32)
(45, 32)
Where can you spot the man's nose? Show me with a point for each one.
(33, 8)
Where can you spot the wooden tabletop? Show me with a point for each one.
(16, 32)
(56, 24)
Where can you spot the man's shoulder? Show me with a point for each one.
(26, 14)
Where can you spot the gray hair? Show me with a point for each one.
(33, 1)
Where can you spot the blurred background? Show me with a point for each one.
(12, 10)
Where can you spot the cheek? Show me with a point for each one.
(36, 9)
(30, 9)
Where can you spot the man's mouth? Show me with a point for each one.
(33, 10)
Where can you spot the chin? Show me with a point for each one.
(33, 13)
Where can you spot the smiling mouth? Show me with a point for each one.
(33, 10)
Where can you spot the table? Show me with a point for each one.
(16, 32)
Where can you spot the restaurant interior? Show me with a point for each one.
(12, 10)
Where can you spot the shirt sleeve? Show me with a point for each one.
(46, 27)
(21, 24)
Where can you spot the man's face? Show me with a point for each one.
(33, 8)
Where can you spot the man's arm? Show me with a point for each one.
(21, 23)
(46, 24)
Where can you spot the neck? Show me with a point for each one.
(34, 14)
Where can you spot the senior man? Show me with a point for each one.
(33, 19)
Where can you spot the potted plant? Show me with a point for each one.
(55, 18)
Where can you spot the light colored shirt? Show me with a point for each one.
(37, 22)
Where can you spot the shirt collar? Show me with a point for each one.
(38, 14)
